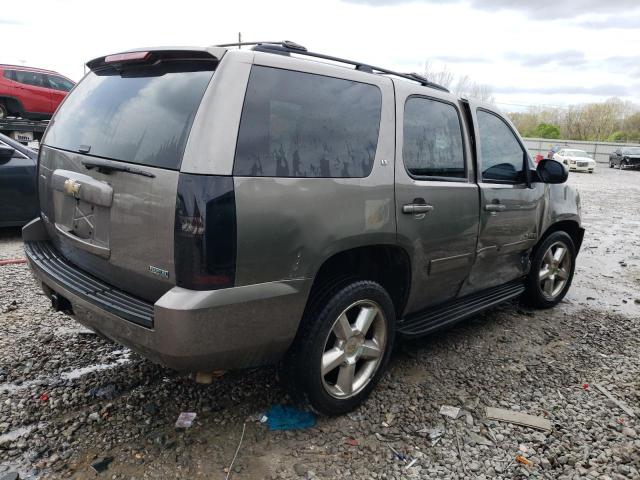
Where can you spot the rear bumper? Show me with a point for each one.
(192, 330)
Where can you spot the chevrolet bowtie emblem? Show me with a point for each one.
(71, 187)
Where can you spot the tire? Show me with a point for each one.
(4, 112)
(610, 164)
(354, 361)
(623, 164)
(547, 292)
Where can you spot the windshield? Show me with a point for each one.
(576, 153)
(631, 151)
(140, 115)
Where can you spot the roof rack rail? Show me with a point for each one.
(286, 47)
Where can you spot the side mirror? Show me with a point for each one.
(551, 171)
(6, 153)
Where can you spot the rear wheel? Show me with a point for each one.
(552, 269)
(343, 346)
(610, 164)
(4, 112)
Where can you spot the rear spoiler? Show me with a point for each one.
(146, 57)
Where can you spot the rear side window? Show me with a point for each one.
(501, 154)
(29, 78)
(304, 125)
(59, 83)
(140, 115)
(432, 145)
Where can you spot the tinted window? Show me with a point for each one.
(29, 78)
(142, 116)
(302, 125)
(432, 139)
(501, 154)
(59, 83)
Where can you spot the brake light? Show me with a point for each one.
(127, 57)
(205, 232)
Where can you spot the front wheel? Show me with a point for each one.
(552, 268)
(344, 344)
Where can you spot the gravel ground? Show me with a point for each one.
(69, 397)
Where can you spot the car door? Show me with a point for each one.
(436, 197)
(33, 91)
(17, 189)
(510, 205)
(60, 87)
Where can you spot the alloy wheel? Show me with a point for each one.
(555, 270)
(354, 349)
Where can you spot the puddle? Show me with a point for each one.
(74, 374)
(80, 372)
(16, 434)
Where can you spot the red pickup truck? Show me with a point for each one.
(31, 93)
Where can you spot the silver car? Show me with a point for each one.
(217, 208)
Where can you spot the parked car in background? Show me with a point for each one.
(18, 199)
(31, 93)
(626, 157)
(217, 208)
(576, 160)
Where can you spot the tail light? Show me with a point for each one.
(205, 232)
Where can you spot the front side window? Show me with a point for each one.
(432, 145)
(502, 157)
(29, 78)
(59, 83)
(298, 124)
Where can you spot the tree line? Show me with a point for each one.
(613, 121)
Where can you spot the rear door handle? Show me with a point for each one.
(413, 208)
(495, 207)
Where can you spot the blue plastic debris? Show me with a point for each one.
(282, 417)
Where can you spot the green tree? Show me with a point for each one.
(547, 130)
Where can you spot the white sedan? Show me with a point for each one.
(577, 160)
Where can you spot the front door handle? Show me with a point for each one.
(495, 207)
(413, 208)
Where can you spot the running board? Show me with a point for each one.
(446, 314)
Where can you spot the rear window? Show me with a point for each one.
(298, 124)
(140, 115)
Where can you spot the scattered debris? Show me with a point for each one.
(12, 261)
(464, 466)
(585, 386)
(449, 411)
(518, 418)
(411, 464)
(283, 417)
(105, 392)
(44, 397)
(10, 476)
(352, 441)
(480, 440)
(623, 406)
(185, 419)
(524, 461)
(101, 464)
(244, 426)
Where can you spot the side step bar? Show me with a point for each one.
(446, 314)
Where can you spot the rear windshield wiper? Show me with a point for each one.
(109, 167)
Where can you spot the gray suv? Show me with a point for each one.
(222, 208)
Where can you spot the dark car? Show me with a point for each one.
(18, 199)
(627, 157)
(31, 93)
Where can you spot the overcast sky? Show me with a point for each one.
(531, 52)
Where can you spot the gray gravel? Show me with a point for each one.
(69, 398)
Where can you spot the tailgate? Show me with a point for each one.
(109, 166)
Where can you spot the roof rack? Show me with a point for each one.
(287, 47)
